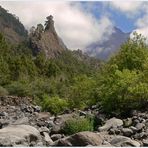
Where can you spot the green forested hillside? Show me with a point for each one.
(58, 79)
(70, 82)
(13, 30)
(63, 77)
(123, 81)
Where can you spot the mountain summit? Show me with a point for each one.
(10, 26)
(46, 39)
(105, 49)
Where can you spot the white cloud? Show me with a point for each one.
(143, 31)
(142, 22)
(129, 8)
(77, 28)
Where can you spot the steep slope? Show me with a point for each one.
(11, 27)
(46, 39)
(105, 49)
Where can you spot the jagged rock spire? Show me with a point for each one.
(46, 39)
(49, 24)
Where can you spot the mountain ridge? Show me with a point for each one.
(109, 47)
(10, 26)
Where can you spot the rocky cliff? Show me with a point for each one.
(11, 27)
(46, 39)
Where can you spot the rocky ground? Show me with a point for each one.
(23, 124)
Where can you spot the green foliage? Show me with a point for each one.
(22, 74)
(75, 125)
(19, 88)
(11, 21)
(133, 54)
(3, 91)
(82, 92)
(54, 105)
(122, 83)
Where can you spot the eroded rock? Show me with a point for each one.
(122, 141)
(80, 139)
(113, 122)
(19, 134)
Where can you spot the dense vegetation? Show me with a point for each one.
(66, 82)
(56, 84)
(11, 21)
(123, 82)
(77, 124)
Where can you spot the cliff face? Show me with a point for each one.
(11, 27)
(45, 39)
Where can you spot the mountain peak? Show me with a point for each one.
(46, 39)
(49, 24)
(10, 26)
(108, 47)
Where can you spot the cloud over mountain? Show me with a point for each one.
(77, 27)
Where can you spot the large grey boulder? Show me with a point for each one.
(145, 142)
(80, 139)
(127, 132)
(140, 126)
(111, 123)
(47, 138)
(55, 137)
(23, 120)
(19, 135)
(122, 141)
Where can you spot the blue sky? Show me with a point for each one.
(81, 23)
(120, 19)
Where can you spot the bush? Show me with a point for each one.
(82, 92)
(3, 91)
(123, 83)
(54, 105)
(123, 91)
(19, 89)
(76, 125)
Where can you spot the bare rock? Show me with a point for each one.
(127, 122)
(127, 132)
(47, 138)
(24, 120)
(111, 123)
(140, 126)
(55, 137)
(43, 129)
(122, 141)
(80, 139)
(19, 134)
(145, 142)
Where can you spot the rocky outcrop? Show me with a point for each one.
(80, 139)
(23, 135)
(11, 27)
(112, 123)
(46, 39)
(122, 141)
(14, 100)
(44, 129)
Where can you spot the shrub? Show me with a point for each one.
(19, 89)
(123, 83)
(54, 105)
(76, 125)
(123, 91)
(82, 92)
(3, 91)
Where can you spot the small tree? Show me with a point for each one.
(54, 105)
(123, 82)
(83, 92)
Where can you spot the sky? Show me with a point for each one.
(81, 23)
